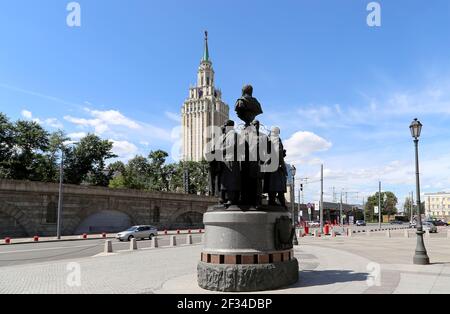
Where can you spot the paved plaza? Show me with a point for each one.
(359, 264)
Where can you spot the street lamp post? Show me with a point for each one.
(293, 172)
(60, 200)
(61, 192)
(421, 256)
(380, 212)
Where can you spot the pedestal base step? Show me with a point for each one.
(247, 278)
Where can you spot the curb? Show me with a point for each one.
(80, 239)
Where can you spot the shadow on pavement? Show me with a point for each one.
(312, 278)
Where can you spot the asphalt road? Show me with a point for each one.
(56, 251)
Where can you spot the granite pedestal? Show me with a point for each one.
(247, 250)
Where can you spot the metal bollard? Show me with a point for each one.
(406, 233)
(133, 245)
(108, 247)
(173, 241)
(388, 233)
(189, 239)
(154, 243)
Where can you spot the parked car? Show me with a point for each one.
(313, 224)
(396, 222)
(428, 226)
(361, 223)
(439, 223)
(137, 232)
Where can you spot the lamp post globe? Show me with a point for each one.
(416, 129)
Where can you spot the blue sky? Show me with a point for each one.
(342, 92)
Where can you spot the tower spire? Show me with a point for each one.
(206, 52)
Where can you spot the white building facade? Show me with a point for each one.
(437, 205)
(203, 109)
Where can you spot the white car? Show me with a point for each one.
(137, 232)
(313, 224)
(428, 226)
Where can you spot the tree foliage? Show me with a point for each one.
(155, 174)
(28, 152)
(388, 205)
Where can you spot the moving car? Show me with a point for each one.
(360, 223)
(428, 226)
(137, 232)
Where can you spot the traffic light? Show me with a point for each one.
(301, 187)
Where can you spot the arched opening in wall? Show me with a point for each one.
(108, 221)
(10, 227)
(189, 220)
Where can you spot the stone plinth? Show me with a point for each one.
(247, 251)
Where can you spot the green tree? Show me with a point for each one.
(85, 162)
(198, 176)
(407, 206)
(158, 171)
(49, 163)
(6, 145)
(388, 205)
(30, 142)
(136, 174)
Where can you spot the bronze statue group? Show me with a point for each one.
(246, 165)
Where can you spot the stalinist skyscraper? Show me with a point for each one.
(203, 108)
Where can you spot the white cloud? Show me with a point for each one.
(51, 122)
(77, 136)
(125, 150)
(114, 123)
(99, 126)
(303, 144)
(27, 114)
(113, 117)
(173, 116)
(102, 120)
(54, 123)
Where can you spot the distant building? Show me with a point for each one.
(203, 108)
(437, 205)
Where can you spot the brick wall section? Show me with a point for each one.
(27, 206)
